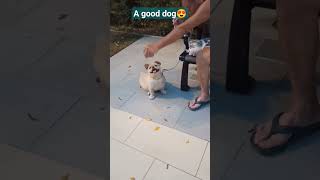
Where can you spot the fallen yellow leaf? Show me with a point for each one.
(157, 128)
(132, 178)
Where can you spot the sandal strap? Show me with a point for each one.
(196, 100)
(276, 128)
(200, 102)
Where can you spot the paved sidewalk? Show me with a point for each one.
(160, 138)
(170, 109)
(235, 114)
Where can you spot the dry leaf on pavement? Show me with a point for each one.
(157, 128)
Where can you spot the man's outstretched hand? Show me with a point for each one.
(150, 50)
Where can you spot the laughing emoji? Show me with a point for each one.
(181, 13)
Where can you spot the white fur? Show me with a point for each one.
(152, 82)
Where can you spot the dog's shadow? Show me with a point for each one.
(174, 92)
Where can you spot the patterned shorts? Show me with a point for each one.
(206, 41)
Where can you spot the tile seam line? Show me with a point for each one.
(180, 119)
(171, 128)
(133, 131)
(52, 125)
(28, 12)
(136, 149)
(130, 97)
(145, 175)
(235, 156)
(46, 52)
(205, 149)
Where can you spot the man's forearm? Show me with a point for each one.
(201, 16)
(173, 36)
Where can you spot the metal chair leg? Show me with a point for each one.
(237, 78)
(184, 77)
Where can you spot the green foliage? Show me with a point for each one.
(120, 16)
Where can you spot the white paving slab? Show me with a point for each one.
(204, 170)
(27, 114)
(79, 138)
(179, 149)
(16, 164)
(126, 162)
(122, 124)
(163, 171)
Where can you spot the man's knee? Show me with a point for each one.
(204, 56)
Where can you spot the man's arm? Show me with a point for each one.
(200, 16)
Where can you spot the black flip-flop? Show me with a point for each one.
(294, 132)
(200, 103)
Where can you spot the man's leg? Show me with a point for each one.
(298, 31)
(203, 73)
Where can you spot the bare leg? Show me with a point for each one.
(298, 30)
(203, 73)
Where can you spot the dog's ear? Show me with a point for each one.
(157, 62)
(146, 66)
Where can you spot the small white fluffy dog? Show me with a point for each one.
(153, 80)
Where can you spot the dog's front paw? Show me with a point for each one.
(151, 96)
